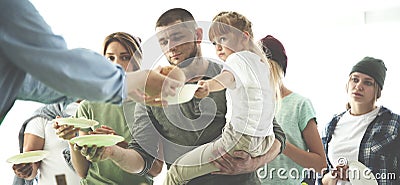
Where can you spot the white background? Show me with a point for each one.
(323, 40)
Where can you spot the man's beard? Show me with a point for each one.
(190, 59)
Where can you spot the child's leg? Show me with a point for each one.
(196, 162)
(192, 164)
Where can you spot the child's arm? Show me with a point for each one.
(221, 81)
(218, 83)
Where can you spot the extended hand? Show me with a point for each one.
(65, 132)
(241, 162)
(23, 170)
(108, 130)
(92, 153)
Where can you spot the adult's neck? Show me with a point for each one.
(197, 69)
(285, 91)
(360, 109)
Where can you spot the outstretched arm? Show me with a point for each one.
(221, 81)
(218, 83)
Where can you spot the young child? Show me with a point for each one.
(252, 82)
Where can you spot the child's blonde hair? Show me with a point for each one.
(226, 22)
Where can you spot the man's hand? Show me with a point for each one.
(23, 170)
(108, 130)
(241, 162)
(147, 86)
(92, 154)
(65, 132)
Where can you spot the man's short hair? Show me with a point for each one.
(174, 15)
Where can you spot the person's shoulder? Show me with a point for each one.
(86, 103)
(240, 55)
(39, 120)
(298, 97)
(389, 113)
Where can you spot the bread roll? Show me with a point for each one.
(169, 71)
(174, 73)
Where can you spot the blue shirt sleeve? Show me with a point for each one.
(29, 44)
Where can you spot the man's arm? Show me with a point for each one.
(241, 162)
(143, 148)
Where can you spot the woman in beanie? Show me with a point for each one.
(297, 118)
(365, 132)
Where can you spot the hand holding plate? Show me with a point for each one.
(65, 132)
(23, 170)
(93, 153)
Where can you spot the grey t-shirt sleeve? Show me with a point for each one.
(279, 135)
(145, 137)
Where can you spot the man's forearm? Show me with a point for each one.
(272, 153)
(127, 159)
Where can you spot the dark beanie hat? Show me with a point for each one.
(275, 51)
(372, 67)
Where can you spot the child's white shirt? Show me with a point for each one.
(252, 97)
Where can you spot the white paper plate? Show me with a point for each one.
(361, 175)
(97, 139)
(184, 94)
(28, 157)
(76, 122)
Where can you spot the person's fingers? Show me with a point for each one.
(92, 152)
(200, 83)
(241, 154)
(168, 91)
(220, 162)
(169, 87)
(157, 103)
(55, 125)
(66, 132)
(17, 166)
(85, 150)
(107, 127)
(155, 100)
(77, 147)
(103, 130)
(222, 169)
(25, 170)
(223, 159)
(96, 156)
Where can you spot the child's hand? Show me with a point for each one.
(203, 89)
